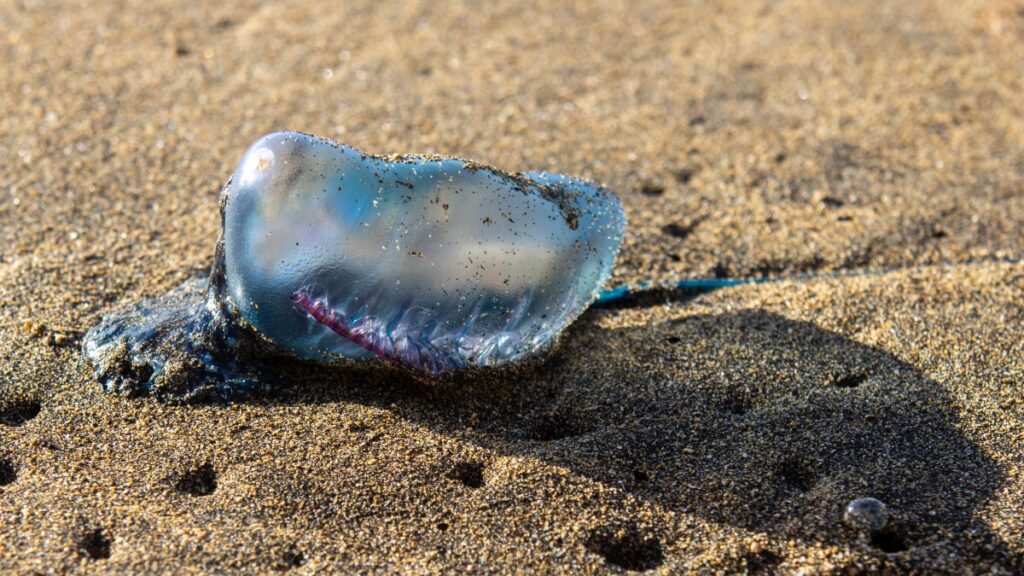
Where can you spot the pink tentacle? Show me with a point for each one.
(340, 326)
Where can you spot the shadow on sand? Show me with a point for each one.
(746, 418)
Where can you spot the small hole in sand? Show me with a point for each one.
(17, 412)
(850, 380)
(889, 541)
(626, 547)
(677, 230)
(652, 189)
(442, 526)
(470, 474)
(291, 558)
(95, 544)
(684, 175)
(201, 481)
(736, 406)
(795, 474)
(8, 473)
(673, 339)
(640, 476)
(763, 562)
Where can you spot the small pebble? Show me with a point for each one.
(869, 514)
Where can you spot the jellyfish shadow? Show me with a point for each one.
(745, 418)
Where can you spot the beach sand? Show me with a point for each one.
(873, 154)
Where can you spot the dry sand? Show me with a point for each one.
(717, 434)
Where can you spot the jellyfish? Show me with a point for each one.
(435, 265)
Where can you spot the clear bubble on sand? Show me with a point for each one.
(867, 514)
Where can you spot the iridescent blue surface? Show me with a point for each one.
(433, 263)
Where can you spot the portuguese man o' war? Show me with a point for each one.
(434, 264)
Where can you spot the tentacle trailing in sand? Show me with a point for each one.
(624, 293)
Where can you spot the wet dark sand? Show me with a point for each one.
(715, 434)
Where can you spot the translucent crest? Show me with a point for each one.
(432, 263)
